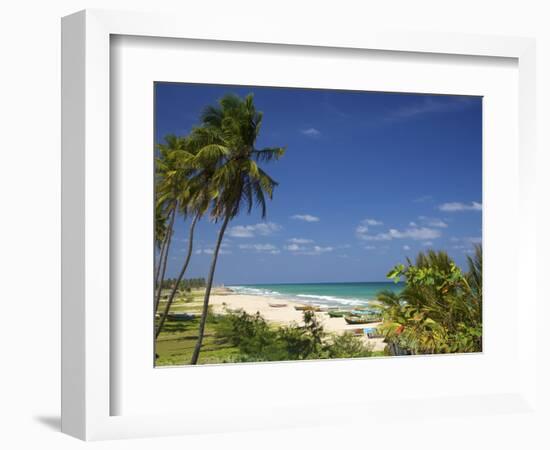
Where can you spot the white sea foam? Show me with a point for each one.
(329, 299)
(318, 300)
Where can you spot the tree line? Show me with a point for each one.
(186, 284)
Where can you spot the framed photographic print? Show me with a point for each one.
(266, 217)
(246, 272)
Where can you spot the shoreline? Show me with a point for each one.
(222, 298)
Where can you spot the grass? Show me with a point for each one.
(177, 340)
(176, 343)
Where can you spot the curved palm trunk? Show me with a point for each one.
(161, 258)
(180, 277)
(164, 262)
(198, 345)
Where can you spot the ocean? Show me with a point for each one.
(322, 294)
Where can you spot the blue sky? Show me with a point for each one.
(367, 180)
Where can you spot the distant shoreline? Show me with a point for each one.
(341, 295)
(293, 283)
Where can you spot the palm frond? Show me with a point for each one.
(268, 154)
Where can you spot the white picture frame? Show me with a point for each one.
(87, 387)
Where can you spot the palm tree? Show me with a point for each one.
(196, 161)
(172, 194)
(160, 238)
(475, 266)
(239, 183)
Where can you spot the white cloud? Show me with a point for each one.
(473, 240)
(317, 250)
(413, 224)
(419, 234)
(459, 207)
(433, 222)
(406, 247)
(372, 222)
(465, 243)
(415, 233)
(210, 251)
(428, 243)
(311, 132)
(294, 248)
(261, 248)
(305, 217)
(369, 247)
(430, 105)
(363, 227)
(300, 241)
(249, 231)
(322, 249)
(305, 250)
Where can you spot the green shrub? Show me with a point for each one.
(440, 308)
(257, 341)
(348, 346)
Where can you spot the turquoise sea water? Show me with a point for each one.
(324, 294)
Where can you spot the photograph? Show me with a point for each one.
(295, 224)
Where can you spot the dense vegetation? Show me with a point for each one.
(258, 341)
(186, 284)
(440, 308)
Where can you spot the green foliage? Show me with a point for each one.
(185, 284)
(257, 341)
(347, 346)
(439, 311)
(228, 136)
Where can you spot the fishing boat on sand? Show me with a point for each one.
(363, 312)
(337, 313)
(308, 308)
(358, 320)
(278, 305)
(353, 312)
(181, 316)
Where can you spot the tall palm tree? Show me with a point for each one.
(239, 182)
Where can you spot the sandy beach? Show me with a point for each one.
(225, 298)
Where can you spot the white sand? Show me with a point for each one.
(284, 315)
